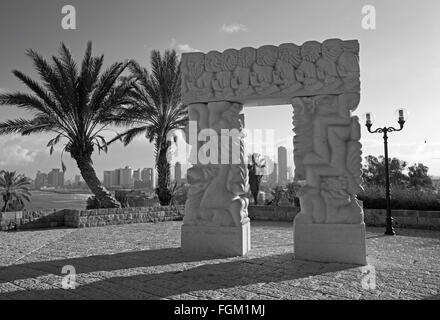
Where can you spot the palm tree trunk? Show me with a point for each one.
(104, 197)
(5, 207)
(163, 171)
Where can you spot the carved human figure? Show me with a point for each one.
(326, 66)
(199, 178)
(222, 84)
(312, 206)
(241, 76)
(332, 166)
(238, 184)
(192, 68)
(284, 75)
(262, 75)
(213, 64)
(348, 64)
(341, 207)
(306, 73)
(224, 195)
(216, 194)
(197, 112)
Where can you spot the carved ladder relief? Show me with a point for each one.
(328, 156)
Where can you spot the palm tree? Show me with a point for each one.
(13, 187)
(77, 105)
(155, 111)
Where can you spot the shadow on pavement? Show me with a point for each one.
(211, 275)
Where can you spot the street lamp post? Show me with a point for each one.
(385, 130)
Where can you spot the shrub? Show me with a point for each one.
(180, 195)
(92, 203)
(373, 197)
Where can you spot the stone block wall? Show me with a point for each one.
(404, 218)
(372, 217)
(104, 217)
(88, 218)
(31, 220)
(273, 213)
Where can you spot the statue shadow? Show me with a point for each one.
(116, 277)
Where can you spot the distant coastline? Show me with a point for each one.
(65, 191)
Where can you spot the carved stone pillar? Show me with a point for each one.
(327, 155)
(215, 220)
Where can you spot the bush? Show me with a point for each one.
(92, 203)
(180, 195)
(373, 197)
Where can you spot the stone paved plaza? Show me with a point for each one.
(144, 261)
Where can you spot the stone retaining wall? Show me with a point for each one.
(103, 217)
(372, 217)
(273, 213)
(404, 218)
(88, 218)
(31, 220)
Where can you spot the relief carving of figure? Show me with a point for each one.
(306, 73)
(197, 112)
(285, 68)
(241, 77)
(224, 63)
(326, 66)
(199, 178)
(312, 206)
(194, 77)
(213, 64)
(348, 64)
(262, 75)
(341, 207)
(216, 191)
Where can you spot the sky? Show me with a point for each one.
(400, 61)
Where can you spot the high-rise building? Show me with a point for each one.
(126, 177)
(55, 178)
(137, 175)
(147, 176)
(108, 179)
(273, 177)
(41, 180)
(282, 165)
(116, 180)
(178, 172)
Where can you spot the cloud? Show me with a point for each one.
(16, 155)
(181, 48)
(234, 27)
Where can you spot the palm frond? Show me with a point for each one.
(128, 136)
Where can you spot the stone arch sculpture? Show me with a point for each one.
(321, 82)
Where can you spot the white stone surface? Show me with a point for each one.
(271, 74)
(341, 243)
(321, 81)
(214, 240)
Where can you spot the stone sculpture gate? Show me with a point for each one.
(321, 82)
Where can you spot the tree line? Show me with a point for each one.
(401, 173)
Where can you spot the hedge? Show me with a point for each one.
(402, 198)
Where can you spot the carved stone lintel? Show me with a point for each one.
(272, 73)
